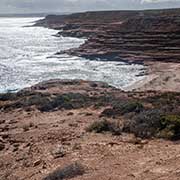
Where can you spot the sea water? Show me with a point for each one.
(27, 56)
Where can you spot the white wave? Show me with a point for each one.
(27, 56)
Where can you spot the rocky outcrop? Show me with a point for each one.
(135, 36)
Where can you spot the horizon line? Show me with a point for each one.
(83, 11)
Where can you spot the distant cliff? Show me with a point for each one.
(137, 36)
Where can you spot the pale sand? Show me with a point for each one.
(161, 77)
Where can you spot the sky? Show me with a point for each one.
(37, 6)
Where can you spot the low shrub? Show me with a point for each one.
(36, 99)
(67, 172)
(171, 100)
(145, 124)
(109, 112)
(46, 102)
(7, 96)
(105, 126)
(123, 108)
(127, 107)
(154, 123)
(66, 101)
(170, 127)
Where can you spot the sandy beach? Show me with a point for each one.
(160, 77)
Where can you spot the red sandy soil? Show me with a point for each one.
(38, 143)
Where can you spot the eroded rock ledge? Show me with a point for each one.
(131, 36)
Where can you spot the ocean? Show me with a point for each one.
(27, 56)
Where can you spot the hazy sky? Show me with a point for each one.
(28, 6)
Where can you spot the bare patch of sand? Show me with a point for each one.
(161, 77)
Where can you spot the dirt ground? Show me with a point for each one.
(37, 143)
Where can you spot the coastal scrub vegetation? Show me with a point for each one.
(123, 108)
(66, 101)
(145, 124)
(145, 114)
(157, 115)
(45, 102)
(105, 126)
(7, 96)
(170, 126)
(67, 172)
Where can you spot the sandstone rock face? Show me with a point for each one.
(135, 36)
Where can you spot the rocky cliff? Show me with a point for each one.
(136, 36)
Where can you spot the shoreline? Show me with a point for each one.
(125, 36)
(89, 130)
(160, 77)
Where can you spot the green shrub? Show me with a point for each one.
(170, 127)
(128, 107)
(145, 124)
(123, 108)
(35, 99)
(66, 101)
(168, 101)
(104, 126)
(154, 123)
(45, 102)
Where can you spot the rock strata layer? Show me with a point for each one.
(132, 36)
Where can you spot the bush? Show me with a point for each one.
(128, 107)
(66, 101)
(45, 102)
(68, 172)
(169, 99)
(123, 108)
(105, 126)
(145, 124)
(170, 127)
(154, 123)
(7, 96)
(109, 112)
(36, 99)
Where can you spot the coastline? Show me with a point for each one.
(125, 36)
(160, 77)
(86, 130)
